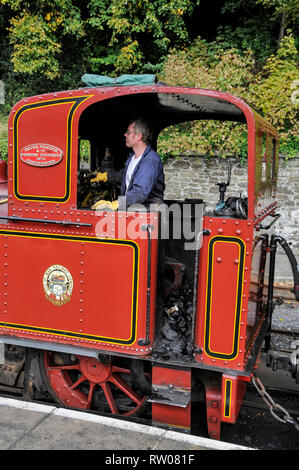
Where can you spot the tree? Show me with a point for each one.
(206, 65)
(286, 10)
(37, 33)
(138, 34)
(257, 24)
(272, 89)
(47, 45)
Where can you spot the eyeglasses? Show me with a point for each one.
(129, 132)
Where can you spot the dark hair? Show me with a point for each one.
(144, 127)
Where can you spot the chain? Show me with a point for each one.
(275, 408)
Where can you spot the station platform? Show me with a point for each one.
(32, 426)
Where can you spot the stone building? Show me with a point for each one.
(197, 177)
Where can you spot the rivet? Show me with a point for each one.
(213, 419)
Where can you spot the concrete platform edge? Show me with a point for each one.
(203, 443)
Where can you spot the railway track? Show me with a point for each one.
(256, 426)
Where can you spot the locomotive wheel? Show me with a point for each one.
(86, 383)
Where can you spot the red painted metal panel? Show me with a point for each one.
(39, 125)
(45, 120)
(163, 376)
(101, 302)
(171, 379)
(223, 287)
(225, 263)
(233, 390)
(106, 306)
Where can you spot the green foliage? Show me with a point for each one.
(35, 48)
(138, 32)
(258, 25)
(205, 65)
(254, 35)
(52, 39)
(37, 32)
(244, 49)
(289, 7)
(271, 92)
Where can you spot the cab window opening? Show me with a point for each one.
(102, 143)
(84, 154)
(222, 147)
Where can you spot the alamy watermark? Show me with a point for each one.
(177, 222)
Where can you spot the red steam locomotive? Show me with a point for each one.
(99, 310)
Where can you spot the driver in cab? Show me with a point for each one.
(142, 178)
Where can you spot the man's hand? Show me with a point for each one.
(101, 205)
(100, 177)
(87, 199)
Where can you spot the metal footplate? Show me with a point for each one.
(170, 396)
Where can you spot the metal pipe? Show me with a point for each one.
(270, 307)
(44, 221)
(294, 265)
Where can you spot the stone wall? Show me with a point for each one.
(197, 177)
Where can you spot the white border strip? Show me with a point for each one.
(201, 442)
(27, 405)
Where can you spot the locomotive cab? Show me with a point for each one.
(102, 125)
(115, 310)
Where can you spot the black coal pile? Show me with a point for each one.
(176, 337)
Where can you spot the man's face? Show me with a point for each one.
(131, 137)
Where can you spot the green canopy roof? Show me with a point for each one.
(92, 80)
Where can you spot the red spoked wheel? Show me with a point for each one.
(86, 383)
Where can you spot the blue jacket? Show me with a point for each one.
(147, 183)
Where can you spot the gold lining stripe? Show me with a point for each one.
(209, 298)
(77, 100)
(135, 285)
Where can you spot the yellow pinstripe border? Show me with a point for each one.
(227, 399)
(209, 297)
(74, 238)
(69, 125)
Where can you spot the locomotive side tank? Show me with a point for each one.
(84, 292)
